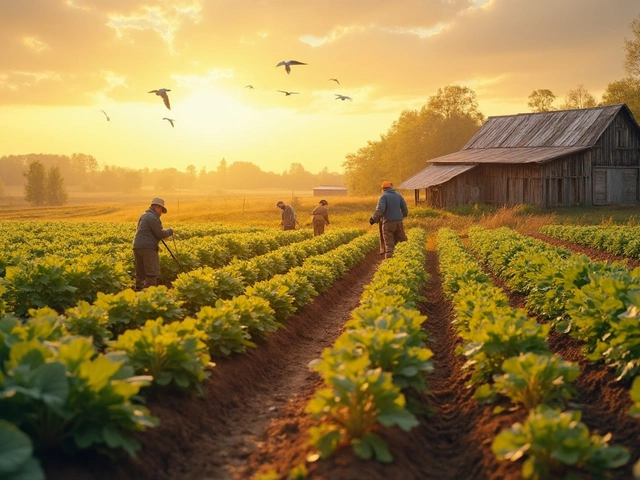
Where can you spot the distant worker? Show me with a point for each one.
(288, 221)
(392, 209)
(320, 217)
(146, 244)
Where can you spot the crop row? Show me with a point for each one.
(374, 372)
(618, 240)
(60, 391)
(596, 302)
(509, 357)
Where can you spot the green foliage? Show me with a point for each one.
(16, 455)
(255, 314)
(277, 294)
(173, 354)
(38, 283)
(55, 191)
(531, 379)
(89, 321)
(62, 394)
(224, 332)
(356, 400)
(35, 186)
(557, 443)
(91, 274)
(635, 397)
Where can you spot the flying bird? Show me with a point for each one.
(287, 64)
(335, 80)
(162, 92)
(105, 114)
(171, 120)
(249, 86)
(343, 97)
(288, 93)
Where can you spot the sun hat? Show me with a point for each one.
(386, 184)
(323, 202)
(160, 202)
(280, 203)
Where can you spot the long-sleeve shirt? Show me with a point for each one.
(288, 217)
(321, 213)
(149, 231)
(391, 207)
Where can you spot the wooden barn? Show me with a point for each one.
(589, 156)
(329, 191)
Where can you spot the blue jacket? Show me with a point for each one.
(150, 232)
(391, 207)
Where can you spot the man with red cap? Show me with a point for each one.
(391, 209)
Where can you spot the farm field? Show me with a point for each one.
(249, 416)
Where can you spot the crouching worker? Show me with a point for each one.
(392, 209)
(146, 244)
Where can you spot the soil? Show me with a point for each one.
(252, 420)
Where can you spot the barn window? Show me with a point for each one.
(621, 138)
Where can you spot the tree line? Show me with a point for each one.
(451, 117)
(45, 177)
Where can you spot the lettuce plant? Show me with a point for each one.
(557, 443)
(224, 332)
(16, 455)
(89, 321)
(255, 314)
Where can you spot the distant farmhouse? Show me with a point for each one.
(589, 156)
(329, 190)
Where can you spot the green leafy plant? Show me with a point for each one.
(277, 294)
(224, 332)
(173, 354)
(255, 314)
(531, 379)
(16, 455)
(635, 397)
(88, 320)
(356, 401)
(556, 443)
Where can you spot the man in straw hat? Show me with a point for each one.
(391, 209)
(146, 244)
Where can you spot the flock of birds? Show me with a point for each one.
(162, 92)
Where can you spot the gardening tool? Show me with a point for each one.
(173, 256)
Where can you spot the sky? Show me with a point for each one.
(63, 62)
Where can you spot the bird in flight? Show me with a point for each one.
(287, 64)
(171, 120)
(335, 80)
(249, 86)
(288, 93)
(343, 97)
(105, 114)
(162, 92)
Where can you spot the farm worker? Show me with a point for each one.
(392, 209)
(288, 221)
(145, 244)
(320, 217)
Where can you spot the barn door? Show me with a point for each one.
(629, 186)
(600, 195)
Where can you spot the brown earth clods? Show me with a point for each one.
(252, 420)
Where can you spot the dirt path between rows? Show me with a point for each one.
(213, 437)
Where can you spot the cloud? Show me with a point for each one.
(35, 45)
(113, 81)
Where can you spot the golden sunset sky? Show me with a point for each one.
(63, 61)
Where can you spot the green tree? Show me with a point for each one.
(632, 47)
(541, 100)
(55, 191)
(578, 98)
(191, 175)
(35, 188)
(626, 91)
(454, 100)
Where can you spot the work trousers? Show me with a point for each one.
(147, 265)
(318, 227)
(392, 233)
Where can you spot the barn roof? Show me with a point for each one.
(507, 155)
(329, 187)
(563, 128)
(434, 175)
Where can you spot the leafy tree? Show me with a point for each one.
(55, 191)
(541, 100)
(191, 175)
(35, 188)
(626, 91)
(578, 98)
(444, 125)
(632, 47)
